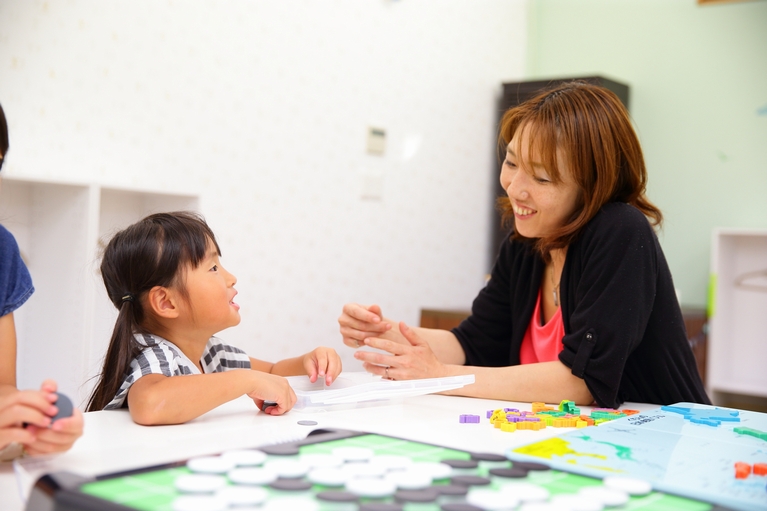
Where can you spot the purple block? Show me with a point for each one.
(489, 413)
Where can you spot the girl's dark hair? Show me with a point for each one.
(3, 136)
(592, 127)
(152, 252)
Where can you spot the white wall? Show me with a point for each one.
(262, 109)
(698, 77)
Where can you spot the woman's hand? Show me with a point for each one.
(323, 362)
(59, 437)
(273, 388)
(61, 434)
(358, 322)
(406, 362)
(32, 407)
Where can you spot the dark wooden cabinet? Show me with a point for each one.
(695, 322)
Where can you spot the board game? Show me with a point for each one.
(704, 452)
(344, 470)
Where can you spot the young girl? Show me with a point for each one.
(164, 276)
(33, 407)
(580, 304)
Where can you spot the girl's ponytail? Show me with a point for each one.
(122, 349)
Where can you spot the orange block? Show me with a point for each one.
(630, 412)
(760, 469)
(742, 470)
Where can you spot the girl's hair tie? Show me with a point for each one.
(127, 297)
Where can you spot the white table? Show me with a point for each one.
(113, 442)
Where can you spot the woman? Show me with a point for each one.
(25, 415)
(580, 304)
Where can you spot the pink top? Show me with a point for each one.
(542, 343)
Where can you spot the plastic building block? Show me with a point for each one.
(760, 469)
(509, 427)
(762, 435)
(742, 470)
(468, 419)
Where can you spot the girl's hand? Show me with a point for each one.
(406, 362)
(28, 406)
(323, 362)
(359, 322)
(59, 437)
(270, 387)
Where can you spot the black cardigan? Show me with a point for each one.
(624, 332)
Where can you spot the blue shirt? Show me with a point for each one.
(15, 281)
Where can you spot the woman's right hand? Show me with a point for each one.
(273, 388)
(24, 406)
(358, 322)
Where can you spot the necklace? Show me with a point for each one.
(555, 286)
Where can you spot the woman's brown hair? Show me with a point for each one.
(593, 131)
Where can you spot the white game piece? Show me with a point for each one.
(630, 485)
(291, 503)
(371, 487)
(238, 496)
(353, 453)
(436, 470)
(321, 460)
(288, 469)
(199, 483)
(526, 492)
(610, 497)
(538, 506)
(575, 502)
(392, 461)
(245, 457)
(490, 500)
(364, 470)
(252, 476)
(329, 476)
(199, 503)
(210, 465)
(410, 479)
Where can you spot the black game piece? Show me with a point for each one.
(291, 485)
(461, 464)
(488, 456)
(337, 496)
(64, 404)
(267, 404)
(529, 465)
(427, 495)
(452, 490)
(515, 472)
(380, 506)
(470, 480)
(459, 506)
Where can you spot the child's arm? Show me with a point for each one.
(7, 355)
(157, 399)
(321, 361)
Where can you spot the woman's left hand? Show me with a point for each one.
(322, 362)
(406, 362)
(59, 437)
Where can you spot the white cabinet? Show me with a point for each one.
(64, 328)
(737, 361)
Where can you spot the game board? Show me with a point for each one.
(685, 449)
(472, 477)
